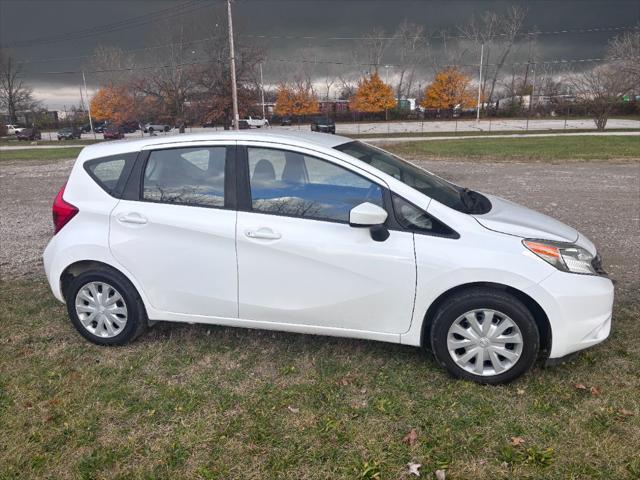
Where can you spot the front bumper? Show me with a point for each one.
(579, 309)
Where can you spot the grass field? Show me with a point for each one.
(478, 133)
(40, 154)
(211, 402)
(495, 149)
(524, 149)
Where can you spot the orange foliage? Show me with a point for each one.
(114, 103)
(297, 100)
(449, 89)
(373, 95)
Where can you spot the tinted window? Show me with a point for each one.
(186, 176)
(413, 218)
(425, 182)
(289, 183)
(111, 172)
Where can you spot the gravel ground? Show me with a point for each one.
(602, 200)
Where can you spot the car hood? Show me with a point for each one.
(513, 219)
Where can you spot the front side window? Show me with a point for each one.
(297, 185)
(186, 176)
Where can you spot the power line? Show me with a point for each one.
(442, 34)
(331, 62)
(189, 6)
(291, 37)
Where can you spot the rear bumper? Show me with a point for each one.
(579, 308)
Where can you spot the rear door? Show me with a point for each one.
(299, 261)
(174, 229)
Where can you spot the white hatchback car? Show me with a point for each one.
(320, 234)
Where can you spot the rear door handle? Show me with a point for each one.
(263, 234)
(134, 218)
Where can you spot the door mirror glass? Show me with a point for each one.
(367, 215)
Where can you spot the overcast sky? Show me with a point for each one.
(30, 27)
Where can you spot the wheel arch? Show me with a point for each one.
(539, 315)
(82, 266)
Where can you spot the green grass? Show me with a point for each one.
(523, 149)
(15, 142)
(210, 402)
(479, 133)
(40, 154)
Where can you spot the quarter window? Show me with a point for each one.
(111, 172)
(297, 185)
(415, 219)
(186, 176)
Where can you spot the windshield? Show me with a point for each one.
(427, 183)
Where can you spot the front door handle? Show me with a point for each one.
(134, 218)
(263, 233)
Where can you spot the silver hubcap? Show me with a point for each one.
(101, 309)
(484, 342)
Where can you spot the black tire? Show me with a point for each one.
(497, 300)
(167, 128)
(136, 314)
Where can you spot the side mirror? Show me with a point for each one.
(372, 216)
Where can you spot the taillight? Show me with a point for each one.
(62, 211)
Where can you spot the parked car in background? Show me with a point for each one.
(130, 127)
(13, 129)
(323, 124)
(156, 127)
(29, 134)
(256, 122)
(286, 121)
(86, 128)
(113, 132)
(99, 127)
(69, 133)
(319, 234)
(243, 125)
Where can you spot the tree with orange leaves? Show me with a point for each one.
(114, 103)
(373, 95)
(449, 89)
(299, 99)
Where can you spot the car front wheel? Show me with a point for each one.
(105, 308)
(486, 336)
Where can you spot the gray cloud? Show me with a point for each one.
(21, 21)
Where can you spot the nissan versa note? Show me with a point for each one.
(320, 234)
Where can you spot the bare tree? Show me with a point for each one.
(412, 49)
(111, 65)
(498, 33)
(376, 43)
(600, 89)
(624, 52)
(15, 96)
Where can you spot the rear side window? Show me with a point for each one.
(111, 173)
(186, 176)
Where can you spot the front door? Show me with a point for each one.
(178, 238)
(299, 261)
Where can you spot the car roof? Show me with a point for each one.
(284, 137)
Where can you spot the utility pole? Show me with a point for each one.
(262, 90)
(232, 59)
(84, 80)
(480, 82)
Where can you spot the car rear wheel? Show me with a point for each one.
(487, 336)
(105, 308)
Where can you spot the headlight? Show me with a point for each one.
(564, 256)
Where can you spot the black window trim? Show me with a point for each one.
(134, 189)
(453, 235)
(244, 183)
(130, 159)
